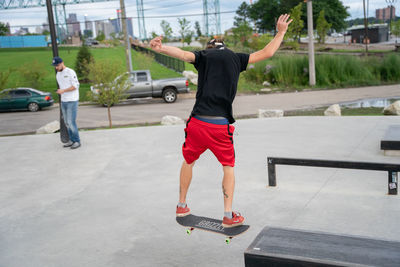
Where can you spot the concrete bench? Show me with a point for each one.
(390, 143)
(287, 247)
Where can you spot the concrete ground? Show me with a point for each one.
(112, 202)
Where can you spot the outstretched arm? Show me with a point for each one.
(175, 52)
(270, 49)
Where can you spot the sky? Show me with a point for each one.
(191, 9)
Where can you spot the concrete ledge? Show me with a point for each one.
(287, 247)
(391, 141)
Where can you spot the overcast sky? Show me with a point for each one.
(154, 8)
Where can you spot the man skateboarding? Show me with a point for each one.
(208, 126)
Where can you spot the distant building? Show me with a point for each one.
(8, 28)
(384, 13)
(376, 33)
(22, 31)
(46, 27)
(73, 26)
(130, 26)
(104, 26)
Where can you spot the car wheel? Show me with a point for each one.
(33, 107)
(169, 95)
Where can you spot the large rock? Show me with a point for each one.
(393, 109)
(171, 120)
(333, 110)
(270, 113)
(51, 127)
(191, 76)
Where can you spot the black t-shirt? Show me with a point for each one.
(218, 71)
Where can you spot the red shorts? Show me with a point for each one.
(200, 136)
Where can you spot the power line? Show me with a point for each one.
(151, 17)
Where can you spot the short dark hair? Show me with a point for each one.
(215, 42)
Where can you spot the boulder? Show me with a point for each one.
(270, 113)
(393, 109)
(333, 110)
(51, 127)
(191, 76)
(171, 120)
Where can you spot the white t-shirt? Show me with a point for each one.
(66, 79)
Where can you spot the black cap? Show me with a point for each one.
(56, 61)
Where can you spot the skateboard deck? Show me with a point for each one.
(212, 225)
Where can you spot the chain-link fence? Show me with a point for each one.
(170, 62)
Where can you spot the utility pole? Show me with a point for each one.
(126, 37)
(390, 2)
(311, 59)
(63, 129)
(366, 39)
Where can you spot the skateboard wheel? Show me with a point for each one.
(188, 231)
(228, 240)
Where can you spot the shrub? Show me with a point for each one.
(83, 59)
(32, 74)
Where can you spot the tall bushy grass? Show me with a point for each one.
(291, 72)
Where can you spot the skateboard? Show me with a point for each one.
(192, 222)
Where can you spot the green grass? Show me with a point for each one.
(344, 111)
(15, 58)
(290, 73)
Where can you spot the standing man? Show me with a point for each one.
(208, 126)
(69, 91)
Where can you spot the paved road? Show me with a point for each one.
(142, 111)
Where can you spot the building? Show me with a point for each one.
(104, 26)
(384, 13)
(22, 31)
(376, 33)
(73, 26)
(88, 32)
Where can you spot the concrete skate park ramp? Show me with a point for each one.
(287, 247)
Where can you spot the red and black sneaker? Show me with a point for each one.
(181, 212)
(236, 220)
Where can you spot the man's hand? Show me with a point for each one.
(60, 91)
(156, 44)
(283, 23)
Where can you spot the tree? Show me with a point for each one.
(297, 24)
(243, 15)
(184, 29)
(265, 13)
(396, 28)
(198, 30)
(153, 34)
(3, 29)
(335, 13)
(188, 37)
(110, 84)
(167, 30)
(83, 59)
(322, 27)
(100, 36)
(242, 33)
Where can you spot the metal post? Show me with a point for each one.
(311, 60)
(366, 29)
(126, 37)
(271, 173)
(63, 129)
(392, 185)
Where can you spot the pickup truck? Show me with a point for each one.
(141, 85)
